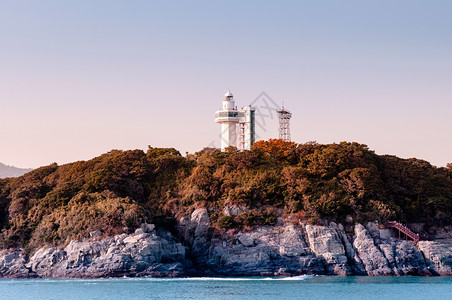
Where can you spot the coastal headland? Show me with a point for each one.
(281, 209)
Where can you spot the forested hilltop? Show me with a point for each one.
(119, 190)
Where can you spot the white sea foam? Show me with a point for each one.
(100, 280)
(301, 277)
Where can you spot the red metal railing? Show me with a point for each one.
(405, 230)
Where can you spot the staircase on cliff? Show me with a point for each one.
(405, 230)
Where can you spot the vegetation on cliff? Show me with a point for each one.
(119, 190)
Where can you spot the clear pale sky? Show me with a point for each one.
(79, 78)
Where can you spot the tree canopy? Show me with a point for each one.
(119, 190)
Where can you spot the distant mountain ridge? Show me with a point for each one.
(10, 171)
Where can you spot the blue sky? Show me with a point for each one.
(79, 78)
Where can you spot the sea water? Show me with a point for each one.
(307, 287)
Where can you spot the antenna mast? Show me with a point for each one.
(284, 123)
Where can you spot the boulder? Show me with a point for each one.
(233, 209)
(246, 240)
(199, 222)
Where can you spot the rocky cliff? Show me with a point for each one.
(284, 249)
(145, 252)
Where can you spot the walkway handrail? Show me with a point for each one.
(404, 229)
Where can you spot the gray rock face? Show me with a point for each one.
(373, 229)
(291, 249)
(438, 256)
(404, 258)
(195, 226)
(12, 264)
(264, 251)
(374, 261)
(354, 261)
(326, 242)
(143, 253)
(196, 234)
(267, 251)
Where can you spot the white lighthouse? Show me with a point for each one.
(233, 120)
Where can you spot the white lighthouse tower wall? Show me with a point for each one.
(228, 118)
(232, 120)
(228, 135)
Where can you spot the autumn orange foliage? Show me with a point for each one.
(277, 149)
